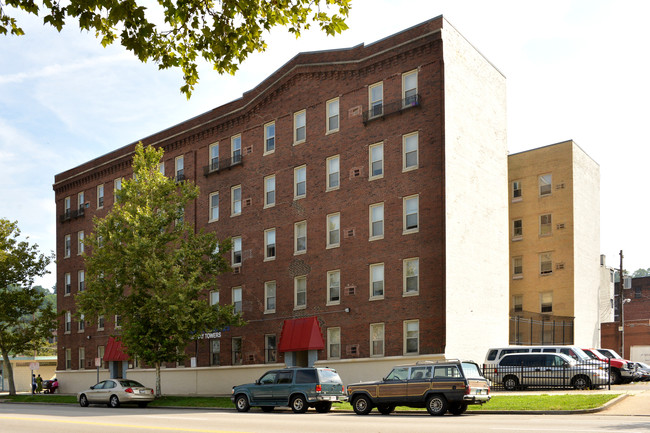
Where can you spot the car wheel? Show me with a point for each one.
(299, 404)
(267, 408)
(510, 383)
(114, 401)
(581, 382)
(457, 408)
(143, 404)
(437, 405)
(323, 407)
(361, 405)
(385, 409)
(83, 400)
(241, 403)
(615, 376)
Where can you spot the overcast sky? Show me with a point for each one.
(575, 70)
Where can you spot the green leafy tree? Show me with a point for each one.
(26, 319)
(177, 33)
(641, 273)
(148, 266)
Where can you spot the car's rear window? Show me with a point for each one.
(329, 376)
(127, 383)
(471, 371)
(306, 376)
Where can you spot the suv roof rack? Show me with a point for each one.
(442, 361)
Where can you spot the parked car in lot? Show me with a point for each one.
(439, 386)
(495, 354)
(519, 370)
(620, 370)
(296, 387)
(644, 371)
(626, 376)
(114, 392)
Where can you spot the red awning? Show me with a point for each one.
(114, 351)
(301, 334)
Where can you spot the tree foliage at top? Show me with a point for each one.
(148, 266)
(641, 273)
(178, 33)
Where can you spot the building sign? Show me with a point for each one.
(208, 335)
(34, 365)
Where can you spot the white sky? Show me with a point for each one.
(575, 70)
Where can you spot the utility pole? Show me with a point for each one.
(620, 300)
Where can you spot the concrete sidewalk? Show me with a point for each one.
(637, 403)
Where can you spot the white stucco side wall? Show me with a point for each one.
(476, 177)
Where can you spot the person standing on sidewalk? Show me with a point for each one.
(39, 384)
(33, 384)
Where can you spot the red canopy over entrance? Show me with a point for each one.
(301, 334)
(114, 351)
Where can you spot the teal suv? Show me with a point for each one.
(296, 387)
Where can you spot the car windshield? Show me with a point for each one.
(400, 373)
(329, 376)
(131, 383)
(592, 355)
(471, 370)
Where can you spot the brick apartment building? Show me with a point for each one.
(362, 188)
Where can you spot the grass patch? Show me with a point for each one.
(40, 398)
(170, 400)
(545, 402)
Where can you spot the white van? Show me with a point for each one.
(495, 354)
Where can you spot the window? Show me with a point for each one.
(545, 184)
(236, 251)
(517, 229)
(118, 321)
(180, 168)
(269, 244)
(269, 138)
(376, 99)
(516, 190)
(300, 237)
(409, 89)
(269, 297)
(81, 200)
(517, 267)
(80, 242)
(411, 276)
(81, 324)
(377, 281)
(237, 299)
(214, 156)
(215, 352)
(545, 225)
(300, 292)
(214, 207)
(68, 359)
(333, 173)
(235, 198)
(68, 322)
(81, 280)
(66, 282)
(161, 167)
(82, 358)
(411, 205)
(376, 212)
(299, 182)
(270, 349)
(117, 186)
(236, 351)
(100, 196)
(100, 323)
(376, 161)
(235, 149)
(517, 303)
(66, 246)
(546, 302)
(546, 263)
(377, 339)
(332, 115)
(333, 343)
(299, 127)
(214, 297)
(411, 337)
(334, 287)
(66, 207)
(333, 230)
(269, 191)
(410, 151)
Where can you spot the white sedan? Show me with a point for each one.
(114, 392)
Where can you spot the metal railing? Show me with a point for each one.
(393, 107)
(222, 164)
(71, 214)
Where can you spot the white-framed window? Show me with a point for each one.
(411, 205)
(67, 247)
(269, 297)
(235, 200)
(214, 156)
(270, 349)
(300, 292)
(67, 283)
(81, 280)
(516, 190)
(545, 225)
(376, 229)
(517, 229)
(334, 287)
(236, 251)
(546, 263)
(269, 191)
(333, 230)
(300, 237)
(80, 242)
(81, 324)
(66, 206)
(68, 322)
(117, 185)
(236, 349)
(333, 343)
(82, 358)
(545, 184)
(214, 297)
(299, 127)
(332, 115)
(118, 321)
(161, 167)
(410, 149)
(518, 303)
(100, 196)
(269, 138)
(299, 182)
(377, 281)
(68, 359)
(411, 337)
(517, 267)
(81, 200)
(237, 299)
(332, 165)
(376, 339)
(215, 351)
(235, 149)
(376, 99)
(376, 161)
(411, 270)
(179, 164)
(269, 244)
(410, 88)
(100, 323)
(214, 206)
(546, 302)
